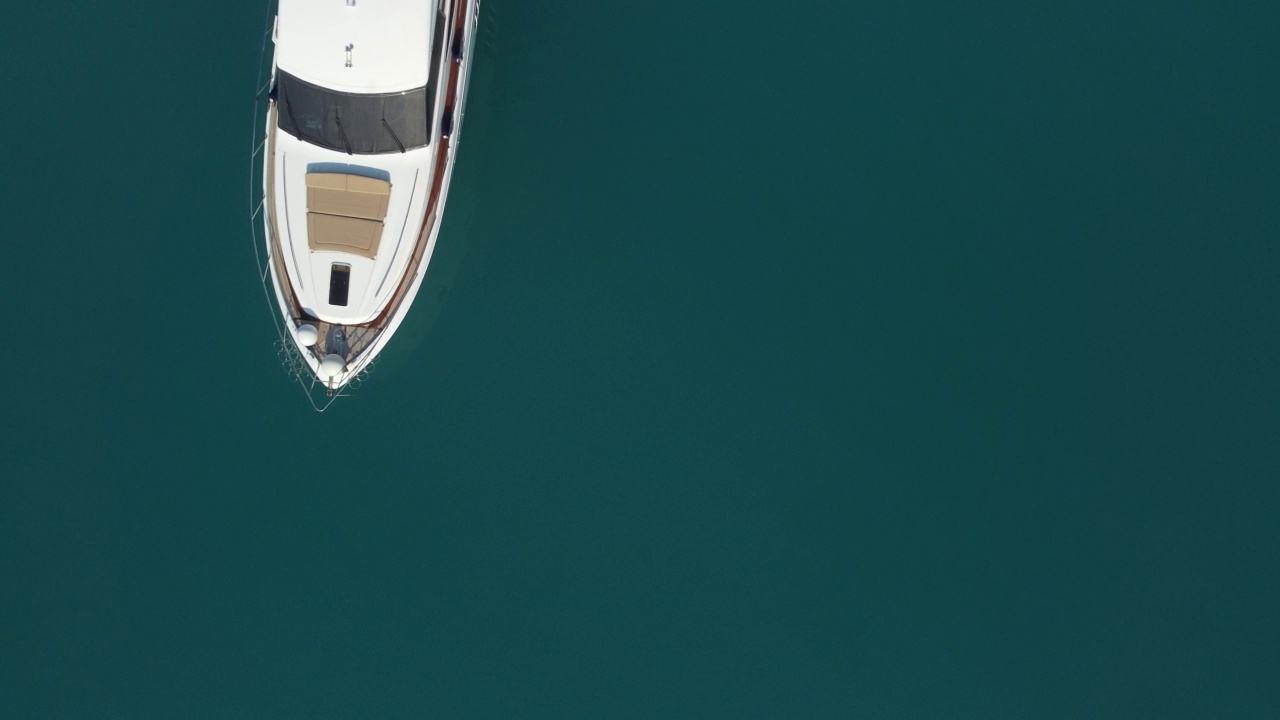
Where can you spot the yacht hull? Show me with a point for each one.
(329, 350)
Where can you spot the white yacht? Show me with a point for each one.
(364, 106)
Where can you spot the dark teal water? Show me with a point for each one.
(910, 360)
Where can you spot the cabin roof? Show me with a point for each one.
(390, 43)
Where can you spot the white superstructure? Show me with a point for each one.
(390, 39)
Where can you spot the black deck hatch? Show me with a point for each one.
(339, 283)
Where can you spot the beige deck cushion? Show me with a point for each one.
(347, 195)
(334, 233)
(345, 212)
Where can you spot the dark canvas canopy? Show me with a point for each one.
(352, 123)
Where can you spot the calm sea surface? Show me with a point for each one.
(848, 360)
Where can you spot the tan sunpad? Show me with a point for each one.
(334, 233)
(345, 212)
